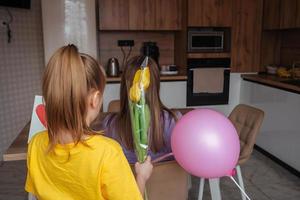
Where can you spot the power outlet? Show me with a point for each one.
(125, 43)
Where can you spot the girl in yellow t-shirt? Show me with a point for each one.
(70, 161)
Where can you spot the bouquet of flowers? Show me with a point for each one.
(139, 110)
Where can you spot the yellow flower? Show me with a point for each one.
(142, 76)
(135, 93)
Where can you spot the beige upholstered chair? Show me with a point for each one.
(247, 121)
(168, 182)
(114, 106)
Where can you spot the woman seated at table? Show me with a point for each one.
(162, 122)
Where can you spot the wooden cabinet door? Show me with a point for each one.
(210, 13)
(168, 14)
(195, 12)
(155, 14)
(142, 15)
(246, 36)
(224, 13)
(113, 14)
(271, 14)
(288, 14)
(298, 14)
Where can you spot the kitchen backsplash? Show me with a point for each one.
(21, 66)
(290, 47)
(108, 45)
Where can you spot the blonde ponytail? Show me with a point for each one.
(68, 78)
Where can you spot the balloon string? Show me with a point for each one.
(239, 187)
(162, 157)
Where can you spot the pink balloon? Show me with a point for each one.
(205, 143)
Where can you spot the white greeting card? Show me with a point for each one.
(38, 117)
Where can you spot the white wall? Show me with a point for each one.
(280, 131)
(21, 66)
(53, 13)
(173, 94)
(111, 92)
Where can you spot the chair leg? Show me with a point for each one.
(240, 180)
(31, 196)
(189, 182)
(201, 187)
(214, 185)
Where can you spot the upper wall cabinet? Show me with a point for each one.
(140, 14)
(281, 14)
(246, 36)
(210, 13)
(113, 14)
(168, 14)
(288, 13)
(271, 16)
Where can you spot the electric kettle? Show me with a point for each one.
(112, 67)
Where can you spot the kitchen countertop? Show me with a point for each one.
(18, 149)
(273, 81)
(178, 77)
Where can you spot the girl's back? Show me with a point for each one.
(96, 171)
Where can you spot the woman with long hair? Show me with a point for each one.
(118, 125)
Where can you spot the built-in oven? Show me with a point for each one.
(208, 40)
(208, 81)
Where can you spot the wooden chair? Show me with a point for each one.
(114, 106)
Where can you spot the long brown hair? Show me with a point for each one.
(123, 125)
(68, 78)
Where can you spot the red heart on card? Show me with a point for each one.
(41, 113)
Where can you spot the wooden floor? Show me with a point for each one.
(12, 180)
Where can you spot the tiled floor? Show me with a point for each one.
(264, 180)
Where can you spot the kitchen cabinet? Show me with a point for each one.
(168, 14)
(210, 13)
(281, 14)
(298, 15)
(113, 14)
(140, 14)
(246, 35)
(288, 13)
(271, 14)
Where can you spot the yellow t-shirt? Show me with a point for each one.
(99, 171)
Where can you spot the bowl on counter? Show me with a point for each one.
(169, 70)
(271, 69)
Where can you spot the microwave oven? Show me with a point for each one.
(208, 40)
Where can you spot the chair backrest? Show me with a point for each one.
(247, 121)
(168, 181)
(114, 106)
